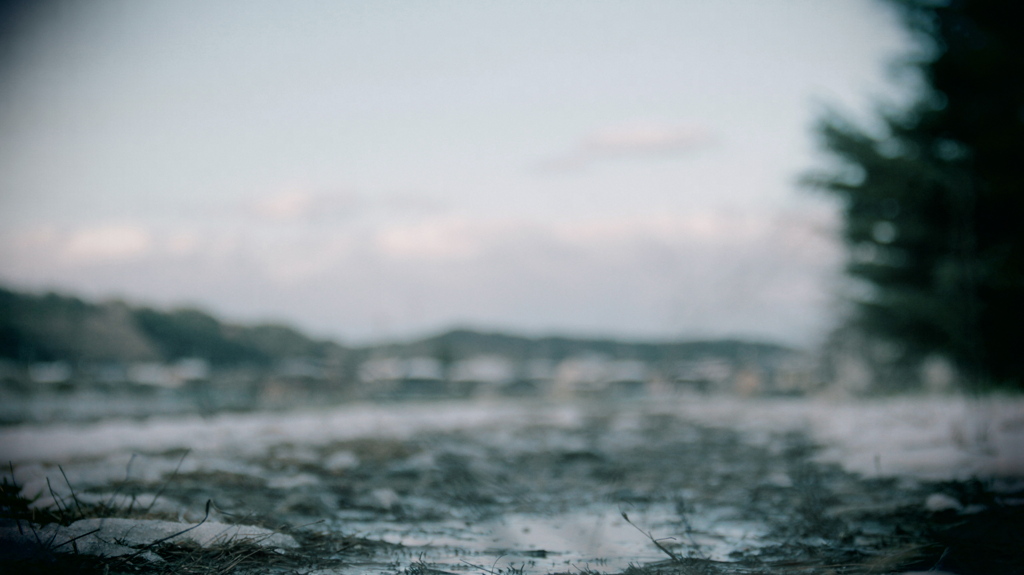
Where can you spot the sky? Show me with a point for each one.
(377, 170)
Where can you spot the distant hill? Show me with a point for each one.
(462, 343)
(52, 327)
(61, 327)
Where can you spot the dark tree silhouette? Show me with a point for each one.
(934, 206)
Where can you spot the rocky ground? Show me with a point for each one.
(524, 488)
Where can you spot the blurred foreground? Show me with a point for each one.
(690, 484)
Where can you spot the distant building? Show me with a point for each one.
(598, 375)
(534, 378)
(153, 374)
(626, 378)
(300, 368)
(581, 375)
(191, 369)
(171, 375)
(396, 377)
(794, 375)
(481, 375)
(701, 375)
(748, 381)
(424, 377)
(381, 370)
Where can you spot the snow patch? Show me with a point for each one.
(116, 537)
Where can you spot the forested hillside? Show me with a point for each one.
(60, 327)
(461, 343)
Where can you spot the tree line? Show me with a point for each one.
(933, 204)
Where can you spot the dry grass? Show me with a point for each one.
(245, 555)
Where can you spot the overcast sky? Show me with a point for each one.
(371, 170)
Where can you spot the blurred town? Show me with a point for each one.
(66, 359)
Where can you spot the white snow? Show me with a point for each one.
(114, 537)
(292, 481)
(341, 460)
(931, 437)
(942, 502)
(925, 437)
(137, 532)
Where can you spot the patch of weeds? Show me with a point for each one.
(70, 506)
(914, 557)
(510, 569)
(983, 537)
(577, 570)
(39, 562)
(324, 544)
(990, 541)
(32, 552)
(217, 559)
(421, 567)
(695, 564)
(657, 542)
(686, 567)
(13, 505)
(34, 540)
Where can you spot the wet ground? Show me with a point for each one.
(589, 487)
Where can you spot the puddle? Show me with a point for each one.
(596, 536)
(591, 537)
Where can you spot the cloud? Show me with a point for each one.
(695, 229)
(644, 140)
(299, 205)
(629, 141)
(453, 238)
(641, 275)
(291, 205)
(303, 206)
(107, 243)
(434, 239)
(183, 242)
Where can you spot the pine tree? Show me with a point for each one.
(934, 207)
